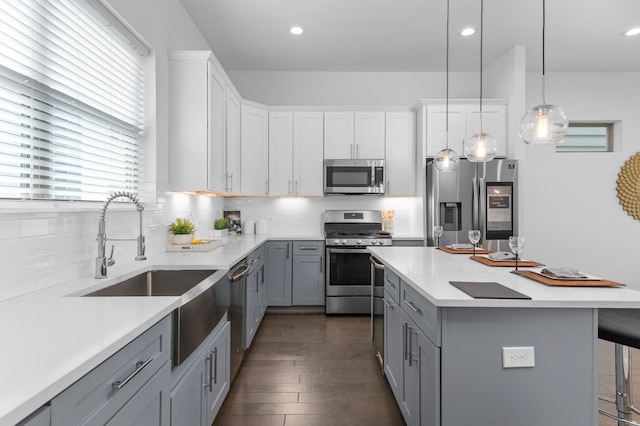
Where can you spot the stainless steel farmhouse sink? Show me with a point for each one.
(205, 294)
(156, 283)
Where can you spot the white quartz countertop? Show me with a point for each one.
(429, 271)
(53, 337)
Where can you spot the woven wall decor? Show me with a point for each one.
(629, 186)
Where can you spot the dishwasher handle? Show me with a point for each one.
(237, 272)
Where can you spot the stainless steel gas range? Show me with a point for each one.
(348, 271)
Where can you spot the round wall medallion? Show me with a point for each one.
(629, 186)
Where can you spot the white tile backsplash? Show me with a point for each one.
(39, 250)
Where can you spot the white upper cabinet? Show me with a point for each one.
(464, 122)
(339, 135)
(295, 153)
(400, 164)
(369, 135)
(354, 135)
(204, 125)
(254, 147)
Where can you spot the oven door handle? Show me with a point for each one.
(375, 263)
(347, 250)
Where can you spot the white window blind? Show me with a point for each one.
(71, 102)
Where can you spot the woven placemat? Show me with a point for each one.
(465, 251)
(567, 283)
(511, 263)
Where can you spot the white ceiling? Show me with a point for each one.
(409, 35)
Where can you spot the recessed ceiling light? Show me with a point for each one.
(633, 31)
(296, 30)
(467, 32)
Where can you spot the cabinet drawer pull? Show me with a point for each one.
(308, 248)
(413, 307)
(140, 365)
(215, 366)
(387, 304)
(390, 283)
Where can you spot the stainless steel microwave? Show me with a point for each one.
(354, 177)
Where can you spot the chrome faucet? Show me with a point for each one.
(102, 262)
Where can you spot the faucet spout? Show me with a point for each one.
(102, 262)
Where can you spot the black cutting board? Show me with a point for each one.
(487, 290)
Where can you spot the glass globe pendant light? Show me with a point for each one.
(543, 124)
(481, 147)
(447, 160)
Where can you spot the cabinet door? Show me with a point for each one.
(308, 153)
(494, 123)
(254, 147)
(232, 139)
(436, 128)
(250, 308)
(262, 291)
(217, 373)
(429, 361)
(369, 137)
(278, 273)
(308, 280)
(281, 153)
(150, 405)
(217, 148)
(400, 148)
(394, 345)
(187, 397)
(339, 135)
(411, 375)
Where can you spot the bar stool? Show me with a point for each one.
(622, 327)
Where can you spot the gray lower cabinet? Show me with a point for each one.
(41, 417)
(278, 273)
(129, 388)
(411, 360)
(308, 273)
(199, 393)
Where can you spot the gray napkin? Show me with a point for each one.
(502, 255)
(563, 272)
(461, 246)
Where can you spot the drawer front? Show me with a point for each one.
(104, 390)
(392, 284)
(256, 255)
(425, 314)
(308, 248)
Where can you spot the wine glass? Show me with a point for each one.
(437, 231)
(474, 237)
(516, 244)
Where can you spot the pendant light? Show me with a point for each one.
(481, 147)
(447, 160)
(543, 124)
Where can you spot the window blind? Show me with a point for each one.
(71, 102)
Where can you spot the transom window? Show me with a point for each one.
(587, 137)
(71, 101)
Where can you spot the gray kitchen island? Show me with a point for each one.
(452, 359)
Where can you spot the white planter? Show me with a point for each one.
(182, 238)
(217, 233)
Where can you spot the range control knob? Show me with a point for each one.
(374, 242)
(336, 241)
(344, 241)
(358, 242)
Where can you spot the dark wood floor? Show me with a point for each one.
(316, 370)
(310, 370)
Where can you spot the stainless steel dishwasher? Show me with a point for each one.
(236, 314)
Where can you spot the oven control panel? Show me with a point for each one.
(358, 242)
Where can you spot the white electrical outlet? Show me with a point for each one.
(518, 357)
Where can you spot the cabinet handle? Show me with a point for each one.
(387, 304)
(410, 354)
(308, 248)
(287, 250)
(413, 307)
(321, 264)
(210, 360)
(140, 365)
(386, 281)
(404, 339)
(215, 366)
(230, 182)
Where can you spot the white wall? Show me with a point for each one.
(573, 214)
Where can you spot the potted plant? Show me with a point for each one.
(221, 227)
(182, 230)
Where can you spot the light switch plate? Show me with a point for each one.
(518, 357)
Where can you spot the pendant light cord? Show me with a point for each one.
(544, 22)
(447, 83)
(481, 44)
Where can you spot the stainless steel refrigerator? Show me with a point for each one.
(477, 196)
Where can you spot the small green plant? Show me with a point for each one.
(182, 226)
(222, 223)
